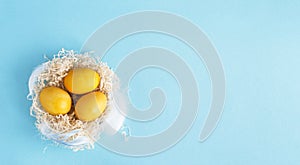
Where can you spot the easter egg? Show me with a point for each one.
(90, 106)
(55, 100)
(81, 80)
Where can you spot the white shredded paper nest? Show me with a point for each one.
(66, 129)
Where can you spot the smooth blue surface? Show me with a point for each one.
(258, 42)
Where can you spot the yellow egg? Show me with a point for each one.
(90, 106)
(55, 100)
(81, 80)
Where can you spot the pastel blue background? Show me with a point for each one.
(258, 42)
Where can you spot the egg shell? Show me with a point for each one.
(90, 106)
(81, 80)
(55, 100)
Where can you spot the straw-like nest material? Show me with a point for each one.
(66, 129)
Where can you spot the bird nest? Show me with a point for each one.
(67, 130)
